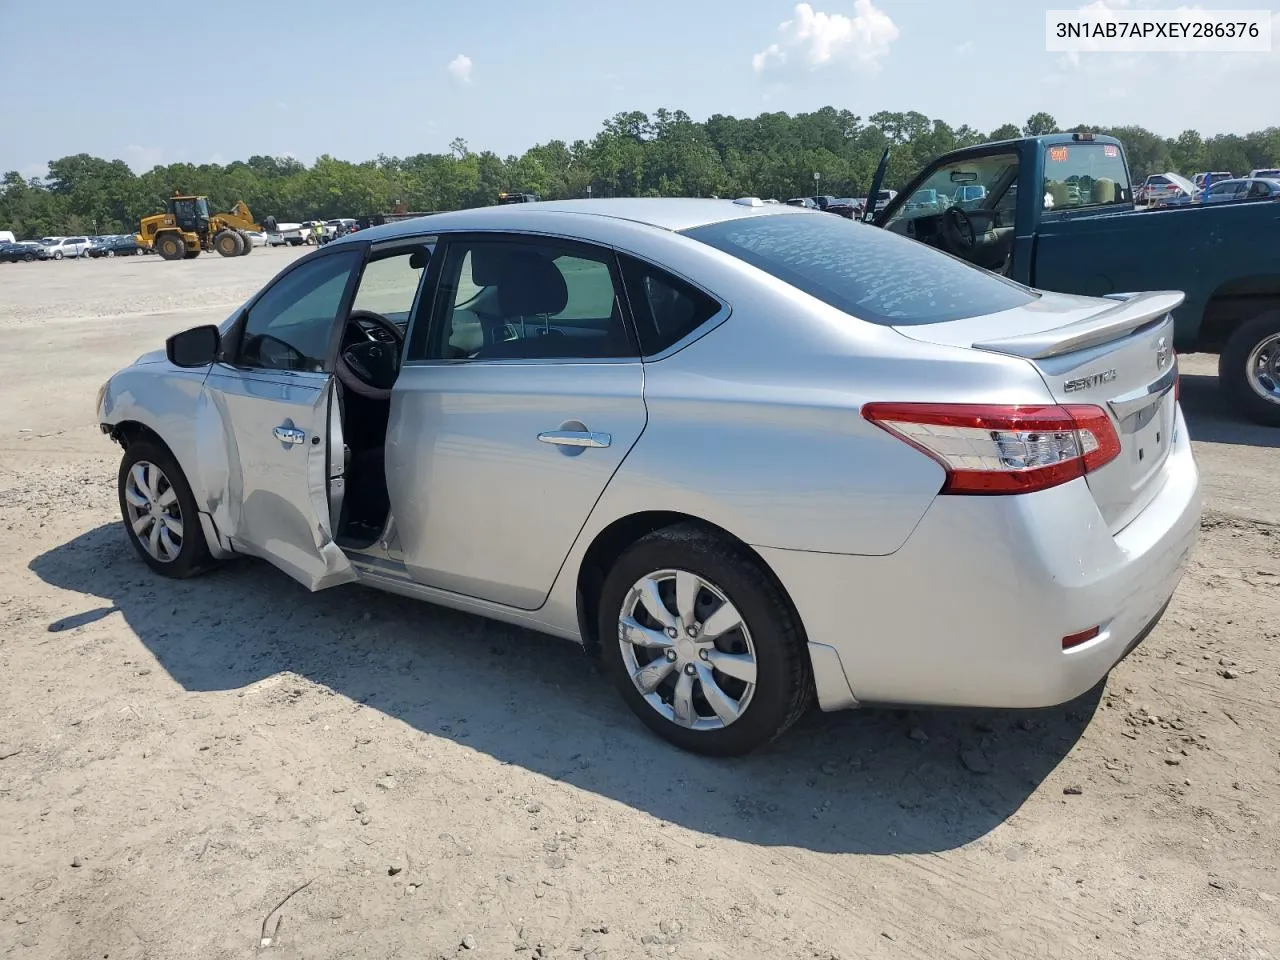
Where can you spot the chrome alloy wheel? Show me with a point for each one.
(687, 650)
(155, 516)
(1263, 368)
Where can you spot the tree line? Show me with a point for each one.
(634, 154)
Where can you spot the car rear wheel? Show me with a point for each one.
(159, 512)
(57, 254)
(1249, 369)
(702, 642)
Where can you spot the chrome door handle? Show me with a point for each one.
(575, 438)
(289, 434)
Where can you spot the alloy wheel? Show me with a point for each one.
(1262, 369)
(687, 650)
(155, 516)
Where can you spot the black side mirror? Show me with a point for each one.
(197, 347)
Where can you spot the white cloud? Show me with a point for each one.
(460, 68)
(143, 159)
(816, 39)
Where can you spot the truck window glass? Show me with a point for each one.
(964, 183)
(1085, 175)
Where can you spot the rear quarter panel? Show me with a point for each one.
(757, 426)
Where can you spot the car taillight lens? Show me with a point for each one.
(1003, 449)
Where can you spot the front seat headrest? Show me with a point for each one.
(531, 285)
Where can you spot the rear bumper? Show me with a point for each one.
(971, 611)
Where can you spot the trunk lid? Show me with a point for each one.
(1116, 353)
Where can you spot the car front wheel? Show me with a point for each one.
(703, 643)
(159, 511)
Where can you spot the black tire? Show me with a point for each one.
(28, 257)
(1236, 378)
(784, 683)
(170, 246)
(228, 243)
(248, 244)
(192, 254)
(193, 555)
(57, 254)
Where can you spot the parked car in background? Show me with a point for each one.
(1202, 180)
(62, 247)
(257, 237)
(23, 251)
(1245, 188)
(963, 447)
(1270, 173)
(123, 245)
(290, 234)
(1228, 191)
(1161, 187)
(846, 207)
(806, 202)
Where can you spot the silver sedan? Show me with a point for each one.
(752, 455)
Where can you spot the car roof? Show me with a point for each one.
(662, 213)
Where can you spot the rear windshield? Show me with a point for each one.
(867, 272)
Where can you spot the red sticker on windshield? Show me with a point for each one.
(1110, 151)
(1058, 154)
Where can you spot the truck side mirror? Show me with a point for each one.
(197, 347)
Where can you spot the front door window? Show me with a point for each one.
(290, 327)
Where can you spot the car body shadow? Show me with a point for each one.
(870, 781)
(1211, 420)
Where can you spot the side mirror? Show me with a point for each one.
(197, 347)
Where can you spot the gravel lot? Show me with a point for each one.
(176, 758)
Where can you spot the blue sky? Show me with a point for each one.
(407, 76)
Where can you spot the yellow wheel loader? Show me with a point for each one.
(186, 229)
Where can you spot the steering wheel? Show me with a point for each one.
(369, 366)
(958, 229)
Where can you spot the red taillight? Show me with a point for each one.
(1003, 449)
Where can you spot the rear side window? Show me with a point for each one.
(666, 308)
(869, 273)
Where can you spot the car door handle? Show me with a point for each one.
(575, 438)
(289, 434)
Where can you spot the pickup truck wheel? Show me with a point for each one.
(1249, 369)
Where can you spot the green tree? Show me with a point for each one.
(634, 153)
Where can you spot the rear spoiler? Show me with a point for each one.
(1136, 310)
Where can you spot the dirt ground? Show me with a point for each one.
(177, 758)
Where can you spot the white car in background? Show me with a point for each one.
(62, 247)
(1161, 187)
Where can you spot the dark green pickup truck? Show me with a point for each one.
(1057, 213)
